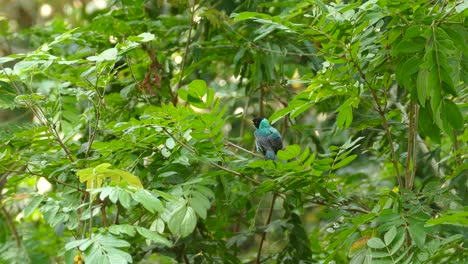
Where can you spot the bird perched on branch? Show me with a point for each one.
(267, 138)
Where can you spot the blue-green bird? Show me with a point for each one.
(267, 138)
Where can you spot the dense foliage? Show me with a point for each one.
(135, 118)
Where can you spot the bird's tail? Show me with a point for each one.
(270, 155)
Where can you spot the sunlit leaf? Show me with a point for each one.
(375, 242)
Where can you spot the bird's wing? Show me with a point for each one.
(275, 139)
(268, 139)
(262, 142)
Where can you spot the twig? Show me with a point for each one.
(40, 115)
(410, 149)
(12, 226)
(186, 259)
(7, 41)
(381, 112)
(228, 143)
(184, 59)
(135, 79)
(415, 140)
(105, 221)
(421, 143)
(244, 114)
(210, 162)
(97, 110)
(270, 213)
(262, 95)
(52, 179)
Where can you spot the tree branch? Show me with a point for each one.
(270, 213)
(12, 226)
(381, 112)
(421, 144)
(97, 110)
(184, 59)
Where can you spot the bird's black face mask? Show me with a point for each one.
(256, 121)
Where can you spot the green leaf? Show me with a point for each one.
(7, 96)
(122, 176)
(376, 243)
(452, 113)
(250, 15)
(150, 202)
(188, 223)
(180, 218)
(200, 204)
(125, 199)
(153, 236)
(344, 162)
(379, 254)
(143, 37)
(29, 99)
(390, 235)
(422, 86)
(32, 205)
(412, 45)
(345, 117)
(427, 126)
(290, 152)
(75, 244)
(122, 229)
(407, 68)
(158, 226)
(417, 232)
(108, 55)
(6, 59)
(462, 6)
(450, 218)
(400, 239)
(197, 87)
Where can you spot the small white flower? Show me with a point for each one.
(330, 230)
(336, 225)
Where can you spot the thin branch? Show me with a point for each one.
(12, 226)
(244, 114)
(105, 221)
(7, 40)
(41, 116)
(92, 135)
(210, 162)
(228, 143)
(381, 112)
(421, 143)
(415, 140)
(410, 149)
(90, 217)
(184, 59)
(52, 179)
(270, 213)
(186, 259)
(262, 95)
(135, 79)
